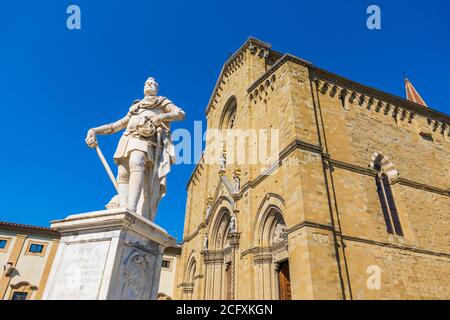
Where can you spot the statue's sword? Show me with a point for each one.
(107, 168)
(157, 153)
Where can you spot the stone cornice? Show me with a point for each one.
(351, 167)
(402, 181)
(318, 73)
(396, 246)
(211, 256)
(262, 252)
(296, 144)
(309, 224)
(424, 187)
(193, 234)
(285, 58)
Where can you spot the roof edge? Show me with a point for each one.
(388, 97)
(230, 60)
(29, 229)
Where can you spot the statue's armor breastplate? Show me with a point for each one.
(140, 124)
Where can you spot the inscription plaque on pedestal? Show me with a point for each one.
(81, 271)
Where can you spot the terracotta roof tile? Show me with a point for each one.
(25, 227)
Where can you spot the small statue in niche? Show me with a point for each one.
(237, 179)
(209, 207)
(205, 242)
(232, 228)
(223, 160)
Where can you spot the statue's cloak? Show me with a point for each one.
(166, 159)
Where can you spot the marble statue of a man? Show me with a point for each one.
(145, 151)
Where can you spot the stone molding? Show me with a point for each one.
(352, 93)
(298, 144)
(309, 224)
(114, 219)
(285, 58)
(262, 252)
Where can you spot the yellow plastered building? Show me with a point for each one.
(26, 256)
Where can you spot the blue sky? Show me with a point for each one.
(55, 83)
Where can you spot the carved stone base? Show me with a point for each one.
(107, 255)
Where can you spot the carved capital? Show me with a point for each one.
(233, 239)
(276, 266)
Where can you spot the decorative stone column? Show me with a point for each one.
(275, 289)
(233, 239)
(107, 255)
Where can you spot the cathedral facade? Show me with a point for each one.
(356, 204)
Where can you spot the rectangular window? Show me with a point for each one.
(4, 244)
(36, 248)
(166, 264)
(19, 296)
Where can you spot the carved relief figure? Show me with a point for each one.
(278, 233)
(136, 281)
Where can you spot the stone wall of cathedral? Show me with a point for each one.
(318, 206)
(415, 144)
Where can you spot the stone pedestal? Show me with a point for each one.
(107, 255)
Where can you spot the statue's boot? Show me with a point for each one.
(123, 195)
(135, 190)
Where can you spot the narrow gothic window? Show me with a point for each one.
(229, 114)
(388, 205)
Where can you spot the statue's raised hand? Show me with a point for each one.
(91, 139)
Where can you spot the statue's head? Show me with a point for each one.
(151, 87)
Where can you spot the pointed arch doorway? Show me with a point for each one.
(272, 254)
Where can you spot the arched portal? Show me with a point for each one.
(189, 290)
(219, 256)
(271, 259)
